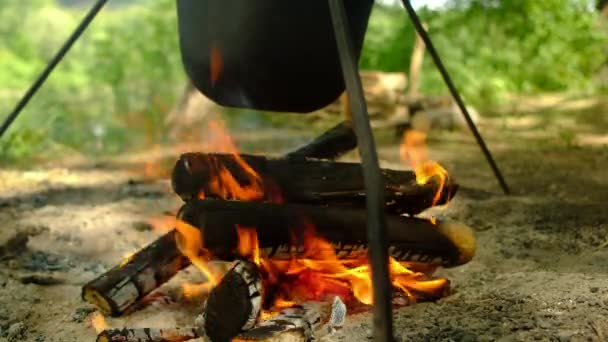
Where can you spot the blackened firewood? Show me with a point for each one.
(281, 229)
(147, 335)
(298, 323)
(124, 285)
(330, 145)
(107, 293)
(307, 181)
(234, 304)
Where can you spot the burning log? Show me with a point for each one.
(147, 335)
(117, 290)
(303, 322)
(235, 303)
(281, 228)
(330, 145)
(299, 323)
(306, 181)
(124, 285)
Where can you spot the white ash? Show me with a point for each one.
(338, 314)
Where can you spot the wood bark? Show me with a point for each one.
(147, 335)
(281, 229)
(235, 303)
(306, 181)
(124, 285)
(330, 145)
(298, 323)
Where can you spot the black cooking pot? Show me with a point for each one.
(274, 55)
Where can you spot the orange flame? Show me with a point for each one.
(248, 244)
(318, 274)
(98, 322)
(224, 184)
(190, 243)
(413, 149)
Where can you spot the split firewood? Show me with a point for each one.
(124, 285)
(233, 305)
(117, 290)
(281, 229)
(307, 181)
(147, 335)
(305, 322)
(330, 145)
(300, 323)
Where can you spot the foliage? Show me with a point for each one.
(111, 90)
(118, 82)
(499, 46)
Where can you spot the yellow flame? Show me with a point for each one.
(413, 149)
(248, 244)
(98, 322)
(190, 243)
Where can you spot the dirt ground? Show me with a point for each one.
(540, 273)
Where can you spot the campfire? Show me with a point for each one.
(294, 229)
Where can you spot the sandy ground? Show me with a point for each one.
(540, 272)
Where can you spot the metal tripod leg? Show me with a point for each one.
(455, 94)
(51, 66)
(376, 219)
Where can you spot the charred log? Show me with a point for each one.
(147, 335)
(124, 285)
(330, 145)
(307, 182)
(234, 304)
(162, 257)
(281, 230)
(298, 323)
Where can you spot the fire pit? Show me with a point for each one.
(299, 229)
(294, 229)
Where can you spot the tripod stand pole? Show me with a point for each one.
(455, 94)
(376, 218)
(51, 66)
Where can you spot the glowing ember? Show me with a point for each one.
(413, 149)
(318, 274)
